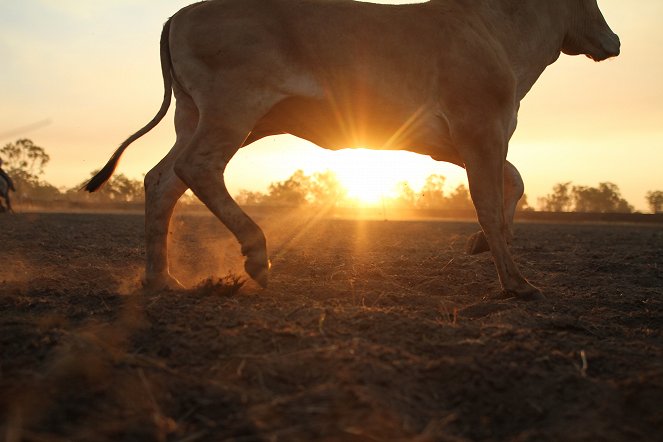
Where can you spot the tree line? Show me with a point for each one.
(25, 162)
(324, 189)
(606, 198)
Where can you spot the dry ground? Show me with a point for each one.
(369, 331)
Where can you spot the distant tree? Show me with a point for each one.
(24, 155)
(459, 199)
(655, 201)
(25, 163)
(30, 187)
(603, 199)
(560, 200)
(405, 197)
(432, 194)
(291, 192)
(523, 206)
(249, 198)
(325, 189)
(123, 188)
(43, 191)
(119, 188)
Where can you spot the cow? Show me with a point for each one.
(443, 78)
(6, 184)
(4, 195)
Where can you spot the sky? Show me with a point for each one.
(79, 76)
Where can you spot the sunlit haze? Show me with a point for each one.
(79, 76)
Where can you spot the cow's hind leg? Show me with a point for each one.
(514, 189)
(8, 201)
(201, 166)
(162, 190)
(484, 159)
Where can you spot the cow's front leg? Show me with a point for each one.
(514, 188)
(484, 160)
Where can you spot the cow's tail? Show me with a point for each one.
(104, 174)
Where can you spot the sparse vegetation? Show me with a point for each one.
(560, 200)
(324, 189)
(26, 162)
(118, 188)
(606, 198)
(655, 201)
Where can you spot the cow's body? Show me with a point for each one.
(6, 185)
(443, 78)
(4, 195)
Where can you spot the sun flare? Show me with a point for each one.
(366, 177)
(370, 176)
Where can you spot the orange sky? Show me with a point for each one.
(91, 69)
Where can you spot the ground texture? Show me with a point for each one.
(369, 331)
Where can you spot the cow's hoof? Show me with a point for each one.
(162, 283)
(258, 270)
(476, 244)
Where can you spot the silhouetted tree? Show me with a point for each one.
(30, 187)
(26, 156)
(25, 163)
(123, 188)
(249, 198)
(560, 200)
(655, 201)
(291, 192)
(603, 199)
(405, 198)
(523, 205)
(459, 199)
(432, 194)
(119, 188)
(326, 189)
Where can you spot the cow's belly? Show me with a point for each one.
(337, 126)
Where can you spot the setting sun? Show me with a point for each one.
(367, 177)
(370, 175)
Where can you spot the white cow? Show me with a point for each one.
(443, 78)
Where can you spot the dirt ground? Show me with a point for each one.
(369, 331)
